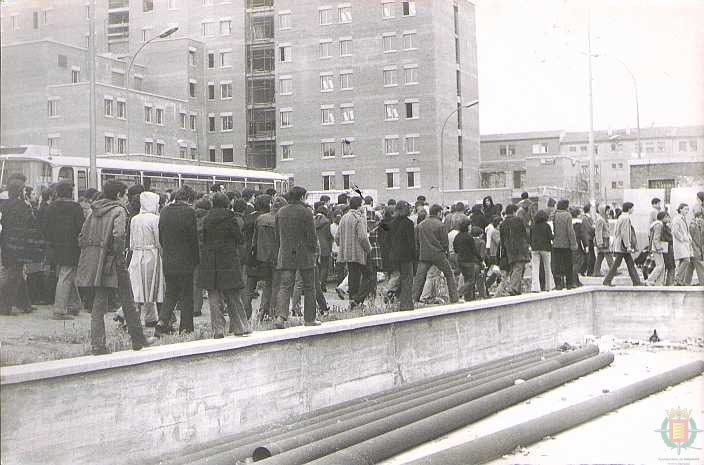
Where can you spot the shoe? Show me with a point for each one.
(323, 288)
(160, 329)
(99, 351)
(61, 316)
(29, 309)
(608, 284)
(245, 334)
(218, 336)
(340, 294)
(279, 323)
(151, 324)
(185, 332)
(148, 341)
(199, 313)
(325, 312)
(313, 323)
(119, 318)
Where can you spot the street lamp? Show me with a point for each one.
(441, 170)
(163, 35)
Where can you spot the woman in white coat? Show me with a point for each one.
(682, 245)
(146, 272)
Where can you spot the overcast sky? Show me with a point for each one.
(533, 63)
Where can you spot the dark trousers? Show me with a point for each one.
(179, 290)
(589, 261)
(596, 269)
(405, 292)
(324, 268)
(578, 263)
(11, 288)
(359, 281)
(631, 269)
(264, 303)
(287, 279)
(443, 265)
(562, 268)
(469, 273)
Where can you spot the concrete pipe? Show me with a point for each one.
(209, 453)
(365, 412)
(505, 441)
(329, 440)
(401, 438)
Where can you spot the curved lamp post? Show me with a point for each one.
(441, 170)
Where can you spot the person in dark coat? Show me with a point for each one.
(541, 248)
(478, 218)
(325, 239)
(61, 225)
(589, 231)
(220, 268)
(202, 208)
(564, 242)
(489, 209)
(401, 243)
(261, 257)
(298, 248)
(579, 256)
(468, 259)
(514, 239)
(178, 234)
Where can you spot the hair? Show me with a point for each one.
(342, 198)
(232, 195)
(700, 196)
(239, 205)
(89, 194)
(324, 198)
(271, 192)
(655, 200)
(401, 205)
(185, 194)
(15, 187)
(551, 202)
(681, 206)
(421, 198)
(278, 203)
(296, 194)
(499, 207)
(435, 209)
(135, 190)
(626, 207)
(524, 195)
(263, 203)
(476, 231)
(563, 204)
(220, 200)
(487, 198)
(248, 193)
(368, 200)
(114, 189)
(464, 225)
(574, 211)
(317, 205)
(459, 207)
(64, 189)
(661, 215)
(422, 215)
(391, 202)
(216, 187)
(204, 203)
(496, 220)
(355, 203)
(541, 216)
(699, 214)
(511, 209)
(587, 208)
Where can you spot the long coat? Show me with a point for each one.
(146, 272)
(401, 241)
(353, 238)
(265, 248)
(325, 239)
(514, 240)
(624, 235)
(682, 242)
(61, 224)
(696, 231)
(220, 266)
(564, 236)
(102, 243)
(178, 234)
(298, 243)
(601, 231)
(21, 240)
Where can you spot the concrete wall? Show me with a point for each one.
(134, 407)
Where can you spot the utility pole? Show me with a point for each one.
(93, 171)
(592, 155)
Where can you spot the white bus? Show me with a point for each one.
(43, 169)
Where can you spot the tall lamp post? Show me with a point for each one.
(163, 35)
(441, 164)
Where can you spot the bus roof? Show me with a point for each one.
(138, 165)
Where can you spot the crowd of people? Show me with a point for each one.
(151, 254)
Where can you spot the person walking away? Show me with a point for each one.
(682, 243)
(202, 208)
(145, 268)
(669, 256)
(178, 233)
(276, 204)
(262, 258)
(298, 247)
(401, 243)
(526, 211)
(541, 252)
(468, 259)
(433, 248)
(514, 237)
(326, 240)
(623, 246)
(696, 232)
(102, 266)
(579, 256)
(589, 232)
(61, 226)
(355, 247)
(657, 248)
(602, 239)
(564, 242)
(220, 269)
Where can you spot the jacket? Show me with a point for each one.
(526, 212)
(601, 230)
(401, 241)
(655, 238)
(564, 237)
(178, 233)
(20, 237)
(466, 248)
(146, 270)
(220, 266)
(514, 240)
(541, 237)
(325, 239)
(102, 243)
(298, 243)
(433, 242)
(265, 249)
(696, 232)
(493, 240)
(588, 229)
(624, 235)
(352, 237)
(681, 243)
(579, 235)
(61, 225)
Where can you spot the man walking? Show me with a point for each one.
(602, 240)
(514, 240)
(563, 244)
(624, 245)
(355, 247)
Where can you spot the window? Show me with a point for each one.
(145, 35)
(391, 145)
(410, 75)
(207, 2)
(35, 19)
(194, 153)
(286, 54)
(390, 77)
(192, 89)
(690, 144)
(412, 110)
(409, 40)
(285, 86)
(325, 16)
(148, 148)
(160, 116)
(147, 5)
(345, 80)
(286, 117)
(390, 111)
(121, 109)
(411, 144)
(287, 151)
(211, 60)
(649, 147)
(284, 21)
(347, 113)
(344, 14)
(388, 42)
(345, 47)
(75, 76)
(409, 7)
(225, 90)
(183, 119)
(138, 82)
(413, 178)
(182, 151)
(53, 107)
(572, 148)
(660, 146)
(193, 119)
(613, 184)
(226, 122)
(211, 91)
(493, 179)
(616, 147)
(208, 29)
(387, 10)
(346, 180)
(328, 182)
(121, 145)
(693, 145)
(582, 148)
(109, 144)
(327, 84)
(211, 123)
(327, 116)
(507, 150)
(347, 150)
(225, 27)
(147, 114)
(540, 148)
(227, 155)
(160, 149)
(325, 49)
(45, 17)
(62, 61)
(108, 106)
(53, 141)
(392, 179)
(211, 154)
(620, 165)
(327, 149)
(226, 59)
(172, 5)
(192, 57)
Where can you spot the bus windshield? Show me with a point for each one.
(38, 172)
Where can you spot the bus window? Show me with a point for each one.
(82, 180)
(158, 182)
(38, 173)
(127, 177)
(66, 174)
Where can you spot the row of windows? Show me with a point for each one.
(328, 148)
(226, 122)
(325, 48)
(118, 145)
(225, 90)
(327, 114)
(38, 18)
(393, 179)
